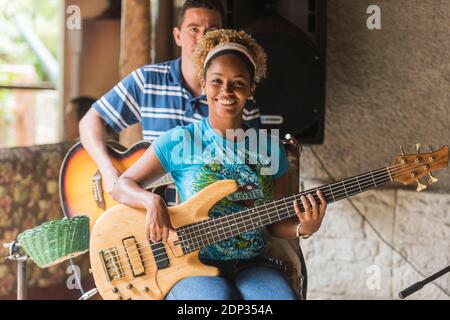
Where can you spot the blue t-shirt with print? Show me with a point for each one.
(197, 156)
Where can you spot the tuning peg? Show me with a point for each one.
(418, 147)
(431, 158)
(431, 179)
(402, 160)
(420, 186)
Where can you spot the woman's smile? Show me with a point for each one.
(226, 101)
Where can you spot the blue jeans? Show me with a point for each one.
(247, 280)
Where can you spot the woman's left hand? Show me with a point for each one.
(312, 218)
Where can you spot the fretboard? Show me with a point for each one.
(165, 180)
(198, 235)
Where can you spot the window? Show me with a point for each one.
(29, 72)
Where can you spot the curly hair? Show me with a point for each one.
(213, 38)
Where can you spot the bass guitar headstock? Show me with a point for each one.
(410, 168)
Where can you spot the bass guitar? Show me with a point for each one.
(126, 266)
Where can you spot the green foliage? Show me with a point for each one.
(42, 16)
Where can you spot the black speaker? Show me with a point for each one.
(293, 34)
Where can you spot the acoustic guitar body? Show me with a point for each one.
(80, 185)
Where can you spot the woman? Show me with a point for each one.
(230, 65)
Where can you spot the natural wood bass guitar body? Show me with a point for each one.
(124, 264)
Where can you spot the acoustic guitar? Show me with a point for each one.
(126, 266)
(81, 189)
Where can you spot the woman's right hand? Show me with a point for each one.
(158, 221)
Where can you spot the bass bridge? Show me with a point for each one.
(111, 264)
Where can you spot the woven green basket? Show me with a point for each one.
(55, 241)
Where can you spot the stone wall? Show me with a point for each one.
(384, 88)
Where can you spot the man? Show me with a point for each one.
(159, 96)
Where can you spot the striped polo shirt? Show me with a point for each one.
(155, 96)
